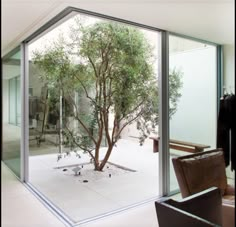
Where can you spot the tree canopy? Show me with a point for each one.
(114, 73)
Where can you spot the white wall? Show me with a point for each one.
(5, 98)
(229, 67)
(10, 71)
(195, 119)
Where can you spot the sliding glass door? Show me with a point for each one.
(92, 137)
(15, 101)
(11, 107)
(192, 98)
(93, 104)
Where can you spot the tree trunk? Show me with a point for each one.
(96, 166)
(96, 158)
(108, 153)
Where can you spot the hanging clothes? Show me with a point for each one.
(226, 129)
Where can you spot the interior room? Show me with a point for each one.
(116, 113)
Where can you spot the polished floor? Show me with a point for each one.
(20, 208)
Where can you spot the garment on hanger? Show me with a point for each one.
(226, 129)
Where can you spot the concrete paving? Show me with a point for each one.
(80, 201)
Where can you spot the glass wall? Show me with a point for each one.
(93, 103)
(94, 112)
(14, 101)
(193, 107)
(11, 107)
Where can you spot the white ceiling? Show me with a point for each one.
(211, 20)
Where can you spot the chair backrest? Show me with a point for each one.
(203, 209)
(200, 171)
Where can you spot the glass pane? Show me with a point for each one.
(18, 101)
(11, 99)
(193, 105)
(93, 100)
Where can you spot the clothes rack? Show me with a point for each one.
(226, 128)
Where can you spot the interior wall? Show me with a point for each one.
(193, 120)
(10, 71)
(229, 67)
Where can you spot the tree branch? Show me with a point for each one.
(81, 122)
(77, 144)
(94, 67)
(131, 111)
(86, 92)
(127, 123)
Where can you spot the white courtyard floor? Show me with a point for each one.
(99, 195)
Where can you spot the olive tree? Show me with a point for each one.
(111, 66)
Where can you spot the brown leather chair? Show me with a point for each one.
(199, 171)
(202, 209)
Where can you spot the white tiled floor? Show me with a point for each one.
(22, 209)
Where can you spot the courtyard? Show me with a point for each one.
(130, 177)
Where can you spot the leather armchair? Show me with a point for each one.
(199, 171)
(202, 209)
